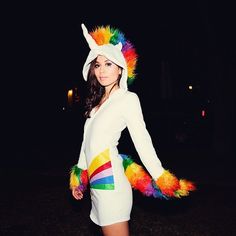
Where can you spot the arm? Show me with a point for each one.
(82, 160)
(165, 183)
(142, 141)
(78, 176)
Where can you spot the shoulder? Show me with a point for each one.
(130, 100)
(131, 96)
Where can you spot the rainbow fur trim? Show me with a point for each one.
(165, 187)
(78, 178)
(108, 35)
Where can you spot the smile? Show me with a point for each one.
(103, 78)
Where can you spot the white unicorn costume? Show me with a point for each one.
(99, 160)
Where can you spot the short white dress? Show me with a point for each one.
(110, 190)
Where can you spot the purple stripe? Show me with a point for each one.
(101, 174)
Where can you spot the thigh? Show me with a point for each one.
(121, 229)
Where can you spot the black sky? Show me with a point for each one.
(45, 50)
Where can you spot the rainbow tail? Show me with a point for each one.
(165, 187)
(78, 178)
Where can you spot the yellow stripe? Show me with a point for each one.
(98, 161)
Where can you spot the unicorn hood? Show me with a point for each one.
(111, 43)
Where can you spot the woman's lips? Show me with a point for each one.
(103, 78)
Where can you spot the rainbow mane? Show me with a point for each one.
(108, 35)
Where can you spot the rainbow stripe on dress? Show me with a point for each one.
(100, 172)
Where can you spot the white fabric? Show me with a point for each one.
(103, 131)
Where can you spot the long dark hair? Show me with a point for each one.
(95, 90)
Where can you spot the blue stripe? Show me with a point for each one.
(105, 180)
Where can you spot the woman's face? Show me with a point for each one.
(106, 71)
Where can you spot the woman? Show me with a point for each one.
(110, 109)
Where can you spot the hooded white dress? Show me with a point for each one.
(110, 190)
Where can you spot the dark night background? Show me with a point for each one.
(179, 44)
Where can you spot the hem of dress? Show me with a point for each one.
(111, 222)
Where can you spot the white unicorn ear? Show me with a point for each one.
(91, 42)
(119, 46)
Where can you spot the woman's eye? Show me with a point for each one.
(96, 66)
(109, 64)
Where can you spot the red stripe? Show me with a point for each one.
(101, 168)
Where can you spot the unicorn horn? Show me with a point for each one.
(92, 44)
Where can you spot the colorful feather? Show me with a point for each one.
(168, 183)
(165, 187)
(78, 178)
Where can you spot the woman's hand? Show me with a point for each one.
(77, 194)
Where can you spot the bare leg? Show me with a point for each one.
(121, 229)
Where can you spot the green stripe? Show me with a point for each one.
(103, 186)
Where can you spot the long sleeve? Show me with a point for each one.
(140, 136)
(82, 160)
(79, 173)
(82, 164)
